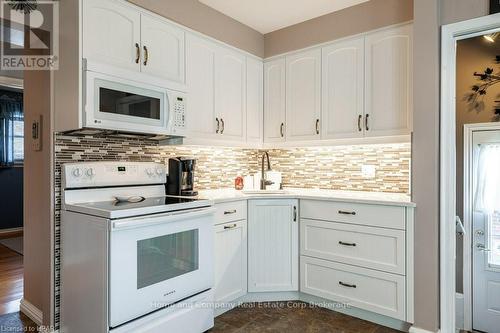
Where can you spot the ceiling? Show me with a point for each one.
(269, 15)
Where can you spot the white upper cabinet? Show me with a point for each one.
(303, 95)
(112, 33)
(162, 49)
(388, 95)
(343, 90)
(274, 100)
(255, 102)
(200, 79)
(230, 98)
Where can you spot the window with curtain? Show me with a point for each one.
(487, 198)
(11, 128)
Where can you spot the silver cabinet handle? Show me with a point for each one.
(229, 212)
(360, 117)
(282, 129)
(347, 244)
(366, 122)
(232, 226)
(218, 126)
(223, 126)
(137, 53)
(294, 213)
(348, 285)
(317, 126)
(146, 55)
(343, 212)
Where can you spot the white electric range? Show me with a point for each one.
(132, 258)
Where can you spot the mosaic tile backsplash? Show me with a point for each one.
(337, 168)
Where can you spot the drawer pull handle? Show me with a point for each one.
(347, 244)
(229, 212)
(232, 226)
(347, 285)
(343, 212)
(294, 213)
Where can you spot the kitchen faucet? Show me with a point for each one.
(263, 181)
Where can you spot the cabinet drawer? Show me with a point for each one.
(376, 248)
(345, 212)
(375, 291)
(230, 211)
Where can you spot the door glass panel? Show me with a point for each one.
(494, 240)
(165, 257)
(128, 104)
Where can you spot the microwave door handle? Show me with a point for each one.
(166, 218)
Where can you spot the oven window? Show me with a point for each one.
(128, 104)
(165, 257)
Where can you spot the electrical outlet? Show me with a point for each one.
(368, 171)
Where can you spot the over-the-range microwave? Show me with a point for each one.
(132, 105)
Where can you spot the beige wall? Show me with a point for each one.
(199, 17)
(38, 191)
(367, 16)
(473, 55)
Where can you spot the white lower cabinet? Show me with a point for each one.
(366, 289)
(273, 245)
(230, 261)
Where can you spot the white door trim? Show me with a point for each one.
(469, 130)
(450, 34)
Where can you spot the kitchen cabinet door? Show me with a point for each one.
(111, 33)
(201, 119)
(343, 89)
(230, 261)
(255, 103)
(162, 49)
(303, 95)
(274, 100)
(230, 98)
(273, 252)
(388, 95)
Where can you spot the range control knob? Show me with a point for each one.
(90, 172)
(159, 171)
(150, 172)
(77, 172)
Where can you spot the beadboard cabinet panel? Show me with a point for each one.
(273, 252)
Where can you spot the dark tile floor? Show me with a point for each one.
(279, 317)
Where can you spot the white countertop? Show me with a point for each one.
(380, 198)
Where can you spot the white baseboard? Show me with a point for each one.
(31, 312)
(414, 329)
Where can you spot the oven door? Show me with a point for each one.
(124, 105)
(158, 260)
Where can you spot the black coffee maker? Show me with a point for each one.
(180, 179)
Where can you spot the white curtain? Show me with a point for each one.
(488, 179)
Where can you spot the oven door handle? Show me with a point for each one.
(153, 220)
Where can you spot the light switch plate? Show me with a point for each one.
(368, 171)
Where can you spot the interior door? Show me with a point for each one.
(162, 49)
(486, 232)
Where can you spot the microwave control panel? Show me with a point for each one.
(180, 112)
